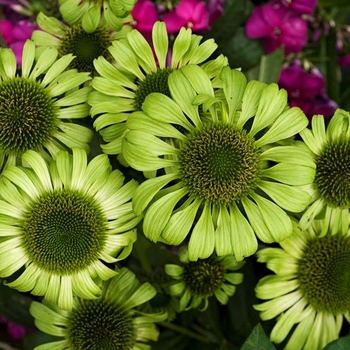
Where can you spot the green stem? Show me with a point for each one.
(185, 331)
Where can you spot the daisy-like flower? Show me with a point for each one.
(114, 321)
(309, 292)
(196, 281)
(330, 148)
(38, 104)
(62, 222)
(225, 179)
(91, 12)
(141, 70)
(74, 39)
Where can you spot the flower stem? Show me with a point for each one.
(185, 331)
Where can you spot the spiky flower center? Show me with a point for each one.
(85, 46)
(220, 164)
(203, 277)
(333, 174)
(27, 115)
(154, 82)
(324, 273)
(99, 325)
(64, 231)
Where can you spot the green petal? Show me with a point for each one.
(45, 61)
(62, 85)
(291, 174)
(51, 25)
(84, 286)
(126, 58)
(181, 45)
(250, 101)
(202, 240)
(288, 124)
(45, 314)
(159, 213)
(200, 53)
(147, 190)
(28, 57)
(160, 43)
(180, 224)
(8, 63)
(272, 103)
(64, 168)
(91, 19)
(277, 221)
(143, 294)
(57, 68)
(244, 241)
(223, 233)
(310, 213)
(163, 109)
(289, 198)
(173, 270)
(142, 49)
(234, 83)
(290, 154)
(338, 127)
(43, 39)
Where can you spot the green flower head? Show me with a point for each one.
(141, 69)
(38, 104)
(330, 148)
(223, 178)
(90, 13)
(309, 292)
(114, 321)
(84, 45)
(196, 281)
(60, 224)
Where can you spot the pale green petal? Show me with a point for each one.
(273, 286)
(27, 280)
(49, 328)
(69, 82)
(271, 104)
(202, 240)
(289, 198)
(40, 168)
(244, 242)
(224, 233)
(110, 87)
(51, 25)
(143, 294)
(91, 19)
(43, 39)
(57, 68)
(142, 49)
(158, 214)
(83, 286)
(288, 124)
(45, 314)
(174, 271)
(338, 127)
(45, 61)
(287, 321)
(28, 57)
(181, 45)
(276, 220)
(147, 190)
(12, 261)
(160, 43)
(180, 223)
(234, 83)
(126, 58)
(79, 167)
(163, 109)
(310, 213)
(65, 297)
(200, 53)
(289, 155)
(64, 168)
(8, 63)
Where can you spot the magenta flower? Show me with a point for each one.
(277, 25)
(301, 6)
(215, 10)
(144, 15)
(306, 89)
(15, 35)
(15, 330)
(190, 14)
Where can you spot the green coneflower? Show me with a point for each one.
(141, 70)
(62, 222)
(196, 281)
(330, 148)
(309, 292)
(92, 12)
(225, 179)
(38, 104)
(114, 321)
(75, 40)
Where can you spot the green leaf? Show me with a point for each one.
(257, 340)
(339, 344)
(333, 3)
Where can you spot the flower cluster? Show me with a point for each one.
(144, 178)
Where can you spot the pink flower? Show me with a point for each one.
(277, 25)
(145, 15)
(215, 10)
(301, 6)
(300, 83)
(190, 14)
(306, 89)
(15, 35)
